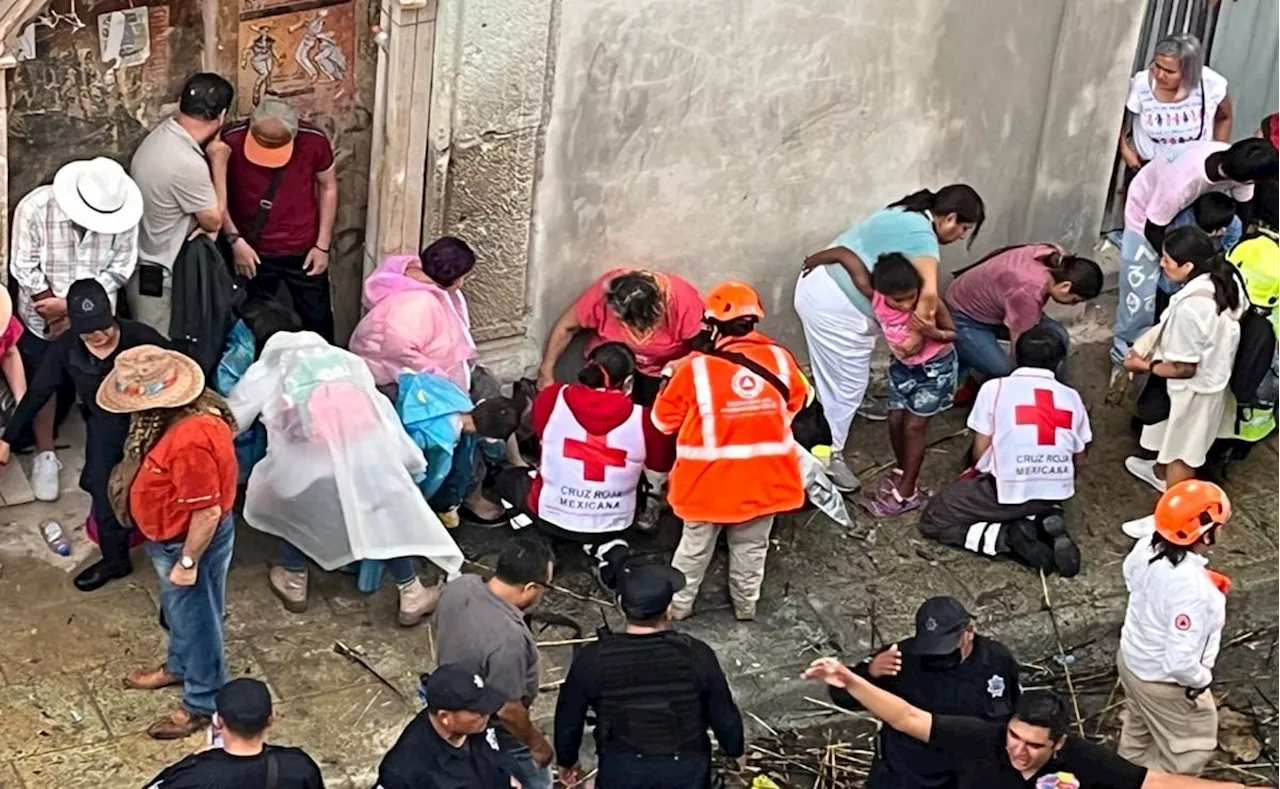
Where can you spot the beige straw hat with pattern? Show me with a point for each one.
(149, 377)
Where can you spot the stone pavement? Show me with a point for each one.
(65, 720)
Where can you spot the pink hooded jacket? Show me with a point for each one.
(413, 326)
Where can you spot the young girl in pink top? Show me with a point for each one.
(922, 374)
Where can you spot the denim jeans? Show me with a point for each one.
(194, 614)
(530, 775)
(978, 345)
(461, 479)
(295, 560)
(1139, 276)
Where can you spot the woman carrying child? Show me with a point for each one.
(922, 374)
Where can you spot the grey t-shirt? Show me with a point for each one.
(487, 635)
(173, 175)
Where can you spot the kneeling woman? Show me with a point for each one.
(596, 443)
(1192, 354)
(1171, 634)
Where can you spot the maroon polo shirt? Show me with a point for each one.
(294, 219)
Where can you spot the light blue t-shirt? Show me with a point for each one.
(909, 233)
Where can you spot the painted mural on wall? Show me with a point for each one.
(298, 52)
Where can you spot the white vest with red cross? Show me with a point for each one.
(589, 481)
(1039, 425)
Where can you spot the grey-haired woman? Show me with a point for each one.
(1176, 101)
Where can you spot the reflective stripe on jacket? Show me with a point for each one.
(735, 457)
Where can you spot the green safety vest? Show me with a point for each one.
(1258, 259)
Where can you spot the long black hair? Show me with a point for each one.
(959, 199)
(608, 366)
(1192, 245)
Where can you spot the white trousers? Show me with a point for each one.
(841, 340)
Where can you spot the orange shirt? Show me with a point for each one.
(736, 459)
(192, 467)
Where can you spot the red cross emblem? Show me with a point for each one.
(596, 456)
(1045, 415)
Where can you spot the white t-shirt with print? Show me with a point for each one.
(1165, 129)
(1194, 332)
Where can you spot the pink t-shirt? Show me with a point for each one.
(1010, 288)
(896, 326)
(668, 341)
(11, 334)
(1162, 188)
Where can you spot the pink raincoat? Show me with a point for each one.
(413, 326)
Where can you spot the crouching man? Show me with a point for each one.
(1029, 432)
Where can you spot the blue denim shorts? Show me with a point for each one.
(923, 389)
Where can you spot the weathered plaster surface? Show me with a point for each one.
(63, 105)
(487, 109)
(730, 139)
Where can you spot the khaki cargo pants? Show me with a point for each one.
(748, 549)
(1161, 729)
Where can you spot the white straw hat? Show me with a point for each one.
(98, 195)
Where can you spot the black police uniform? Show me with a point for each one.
(654, 696)
(983, 686)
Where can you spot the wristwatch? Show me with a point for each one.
(232, 238)
(187, 562)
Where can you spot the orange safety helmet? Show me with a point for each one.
(1190, 509)
(733, 299)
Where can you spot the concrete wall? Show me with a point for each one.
(732, 138)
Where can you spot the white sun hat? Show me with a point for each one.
(98, 195)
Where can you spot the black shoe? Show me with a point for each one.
(1023, 544)
(98, 575)
(1066, 556)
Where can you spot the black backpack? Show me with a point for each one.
(1253, 357)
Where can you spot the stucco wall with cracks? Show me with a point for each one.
(730, 139)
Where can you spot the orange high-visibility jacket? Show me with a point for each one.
(735, 457)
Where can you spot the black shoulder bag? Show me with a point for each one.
(809, 427)
(254, 229)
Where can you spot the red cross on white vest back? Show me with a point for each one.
(1045, 415)
(596, 456)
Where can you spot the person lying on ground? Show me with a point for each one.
(838, 322)
(1003, 295)
(337, 483)
(242, 758)
(656, 315)
(1030, 434)
(596, 444)
(947, 669)
(922, 374)
(990, 755)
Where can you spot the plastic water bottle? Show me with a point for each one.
(55, 538)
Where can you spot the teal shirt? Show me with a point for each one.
(887, 230)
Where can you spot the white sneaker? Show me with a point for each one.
(44, 476)
(842, 476)
(1140, 528)
(1144, 470)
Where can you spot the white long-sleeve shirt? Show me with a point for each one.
(1173, 623)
